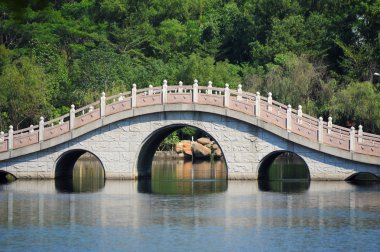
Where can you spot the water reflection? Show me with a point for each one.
(88, 176)
(284, 186)
(183, 177)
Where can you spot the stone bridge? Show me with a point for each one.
(124, 130)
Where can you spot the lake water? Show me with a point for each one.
(189, 208)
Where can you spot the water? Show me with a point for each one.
(208, 214)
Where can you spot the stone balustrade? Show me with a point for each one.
(264, 108)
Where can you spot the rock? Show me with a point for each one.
(217, 151)
(215, 147)
(187, 148)
(183, 147)
(204, 140)
(200, 151)
(179, 147)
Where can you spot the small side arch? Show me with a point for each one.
(64, 165)
(363, 176)
(6, 177)
(291, 167)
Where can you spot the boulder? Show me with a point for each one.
(179, 147)
(187, 148)
(200, 151)
(204, 140)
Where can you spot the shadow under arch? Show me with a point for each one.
(283, 171)
(151, 143)
(363, 179)
(88, 175)
(6, 177)
(296, 168)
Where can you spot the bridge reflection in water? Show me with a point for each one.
(87, 175)
(184, 177)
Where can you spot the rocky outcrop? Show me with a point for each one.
(202, 148)
(204, 140)
(200, 151)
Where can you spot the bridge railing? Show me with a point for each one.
(264, 108)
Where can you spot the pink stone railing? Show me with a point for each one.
(264, 108)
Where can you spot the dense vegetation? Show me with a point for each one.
(320, 54)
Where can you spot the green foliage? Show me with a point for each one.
(304, 52)
(25, 94)
(358, 103)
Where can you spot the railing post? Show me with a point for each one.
(41, 129)
(209, 87)
(226, 96)
(352, 139)
(134, 96)
(31, 130)
(165, 91)
(329, 125)
(269, 101)
(195, 91)
(72, 117)
(257, 104)
(10, 138)
(320, 130)
(180, 88)
(360, 134)
(2, 136)
(102, 105)
(121, 97)
(299, 114)
(239, 93)
(289, 118)
(150, 91)
(91, 108)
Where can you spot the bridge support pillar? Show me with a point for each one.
(226, 96)
(103, 105)
(320, 130)
(329, 125)
(10, 138)
(352, 139)
(164, 93)
(257, 104)
(195, 91)
(239, 93)
(289, 118)
(41, 129)
(134, 94)
(209, 88)
(72, 117)
(269, 107)
(360, 134)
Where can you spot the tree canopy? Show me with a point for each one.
(319, 54)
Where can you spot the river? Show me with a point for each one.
(189, 208)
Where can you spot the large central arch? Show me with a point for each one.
(150, 145)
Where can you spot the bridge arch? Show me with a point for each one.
(64, 165)
(150, 144)
(6, 177)
(267, 172)
(363, 176)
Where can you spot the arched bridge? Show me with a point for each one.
(124, 130)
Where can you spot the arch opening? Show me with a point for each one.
(181, 159)
(6, 177)
(79, 171)
(283, 171)
(363, 178)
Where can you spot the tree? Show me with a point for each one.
(358, 103)
(25, 93)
